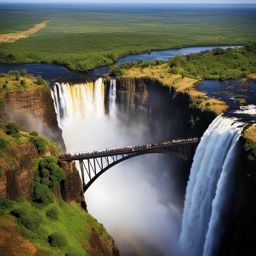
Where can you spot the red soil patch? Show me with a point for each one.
(12, 37)
(11, 242)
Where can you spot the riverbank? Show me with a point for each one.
(181, 84)
(184, 73)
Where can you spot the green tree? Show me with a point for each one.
(56, 239)
(52, 213)
(41, 195)
(116, 71)
(12, 129)
(39, 142)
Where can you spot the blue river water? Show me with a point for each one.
(231, 91)
(54, 72)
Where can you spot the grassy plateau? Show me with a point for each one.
(183, 73)
(87, 36)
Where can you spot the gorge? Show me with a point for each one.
(141, 200)
(139, 111)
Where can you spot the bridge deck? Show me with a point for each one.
(128, 150)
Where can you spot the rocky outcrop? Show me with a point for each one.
(33, 109)
(239, 238)
(149, 98)
(71, 187)
(17, 179)
(133, 92)
(98, 248)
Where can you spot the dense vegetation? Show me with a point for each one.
(84, 37)
(217, 64)
(12, 141)
(48, 175)
(68, 234)
(46, 224)
(249, 138)
(15, 80)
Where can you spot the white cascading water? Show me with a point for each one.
(81, 114)
(78, 101)
(209, 187)
(112, 99)
(116, 197)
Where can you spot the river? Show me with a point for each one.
(59, 73)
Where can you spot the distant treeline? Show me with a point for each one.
(82, 39)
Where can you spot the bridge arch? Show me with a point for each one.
(94, 164)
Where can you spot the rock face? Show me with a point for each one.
(11, 241)
(147, 98)
(71, 187)
(34, 110)
(240, 238)
(97, 248)
(133, 92)
(16, 183)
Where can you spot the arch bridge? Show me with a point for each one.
(93, 164)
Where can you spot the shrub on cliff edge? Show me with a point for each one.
(3, 144)
(27, 218)
(40, 143)
(49, 172)
(12, 129)
(116, 71)
(48, 175)
(41, 194)
(250, 148)
(52, 213)
(5, 205)
(56, 239)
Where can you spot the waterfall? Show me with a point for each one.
(86, 125)
(79, 101)
(112, 98)
(209, 187)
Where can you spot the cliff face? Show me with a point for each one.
(133, 92)
(19, 182)
(173, 109)
(71, 187)
(164, 114)
(17, 179)
(240, 237)
(149, 99)
(33, 109)
(18, 164)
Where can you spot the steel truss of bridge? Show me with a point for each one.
(93, 164)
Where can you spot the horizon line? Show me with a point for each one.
(123, 2)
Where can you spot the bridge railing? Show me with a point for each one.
(128, 149)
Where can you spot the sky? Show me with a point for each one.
(136, 1)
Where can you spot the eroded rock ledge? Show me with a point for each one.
(33, 109)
